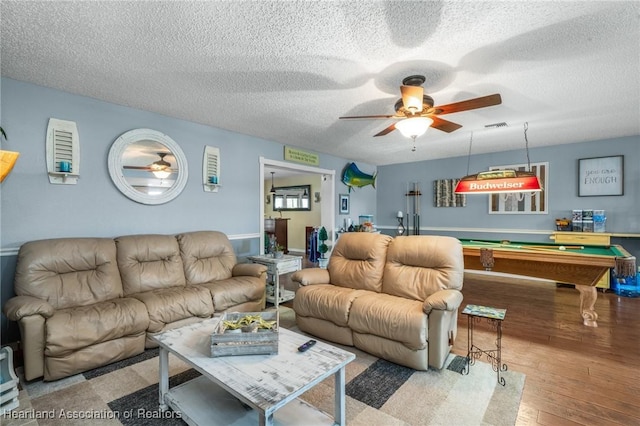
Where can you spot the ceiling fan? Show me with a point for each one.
(160, 168)
(414, 103)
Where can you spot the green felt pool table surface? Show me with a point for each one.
(611, 250)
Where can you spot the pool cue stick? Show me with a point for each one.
(487, 243)
(416, 201)
(557, 248)
(406, 195)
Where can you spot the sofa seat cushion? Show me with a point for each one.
(171, 304)
(149, 262)
(326, 301)
(391, 317)
(420, 265)
(68, 272)
(358, 260)
(72, 329)
(235, 291)
(207, 256)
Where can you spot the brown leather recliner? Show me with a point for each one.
(71, 308)
(396, 298)
(86, 302)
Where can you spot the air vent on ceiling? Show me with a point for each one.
(63, 152)
(496, 125)
(211, 169)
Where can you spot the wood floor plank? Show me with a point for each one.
(575, 374)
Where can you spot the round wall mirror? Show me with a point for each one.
(148, 166)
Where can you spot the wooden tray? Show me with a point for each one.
(245, 342)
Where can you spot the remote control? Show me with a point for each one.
(306, 346)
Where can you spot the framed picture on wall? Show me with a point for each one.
(344, 203)
(601, 176)
(522, 203)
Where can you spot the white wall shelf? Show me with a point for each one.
(63, 147)
(211, 169)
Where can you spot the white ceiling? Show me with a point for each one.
(286, 70)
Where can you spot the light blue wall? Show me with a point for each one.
(474, 221)
(623, 212)
(31, 208)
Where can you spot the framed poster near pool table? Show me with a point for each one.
(601, 176)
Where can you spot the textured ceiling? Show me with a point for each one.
(286, 70)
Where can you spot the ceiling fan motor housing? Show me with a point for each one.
(414, 80)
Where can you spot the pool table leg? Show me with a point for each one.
(588, 296)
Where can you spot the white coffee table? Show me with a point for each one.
(250, 389)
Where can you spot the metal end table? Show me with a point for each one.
(494, 317)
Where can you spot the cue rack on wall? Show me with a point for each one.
(413, 208)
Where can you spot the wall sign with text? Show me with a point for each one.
(601, 176)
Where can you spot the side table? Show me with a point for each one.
(277, 266)
(8, 382)
(494, 317)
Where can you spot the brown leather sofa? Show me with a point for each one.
(396, 298)
(85, 302)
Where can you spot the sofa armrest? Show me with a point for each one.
(248, 269)
(311, 276)
(443, 300)
(19, 307)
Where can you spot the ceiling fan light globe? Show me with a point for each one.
(414, 127)
(162, 174)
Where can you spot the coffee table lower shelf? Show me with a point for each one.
(200, 400)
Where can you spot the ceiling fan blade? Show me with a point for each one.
(137, 167)
(412, 98)
(369, 116)
(444, 125)
(467, 105)
(386, 131)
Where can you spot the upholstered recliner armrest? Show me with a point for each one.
(311, 276)
(19, 307)
(443, 300)
(30, 313)
(248, 269)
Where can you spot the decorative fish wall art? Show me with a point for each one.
(353, 177)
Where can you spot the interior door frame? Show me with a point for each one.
(327, 194)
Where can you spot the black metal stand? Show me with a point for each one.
(494, 356)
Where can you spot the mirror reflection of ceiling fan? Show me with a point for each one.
(416, 111)
(160, 168)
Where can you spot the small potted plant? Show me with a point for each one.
(279, 251)
(323, 248)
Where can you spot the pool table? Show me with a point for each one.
(579, 265)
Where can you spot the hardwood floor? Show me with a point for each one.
(576, 375)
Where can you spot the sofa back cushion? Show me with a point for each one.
(68, 272)
(358, 259)
(149, 262)
(207, 256)
(419, 265)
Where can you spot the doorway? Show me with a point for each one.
(327, 193)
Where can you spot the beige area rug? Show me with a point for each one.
(378, 393)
